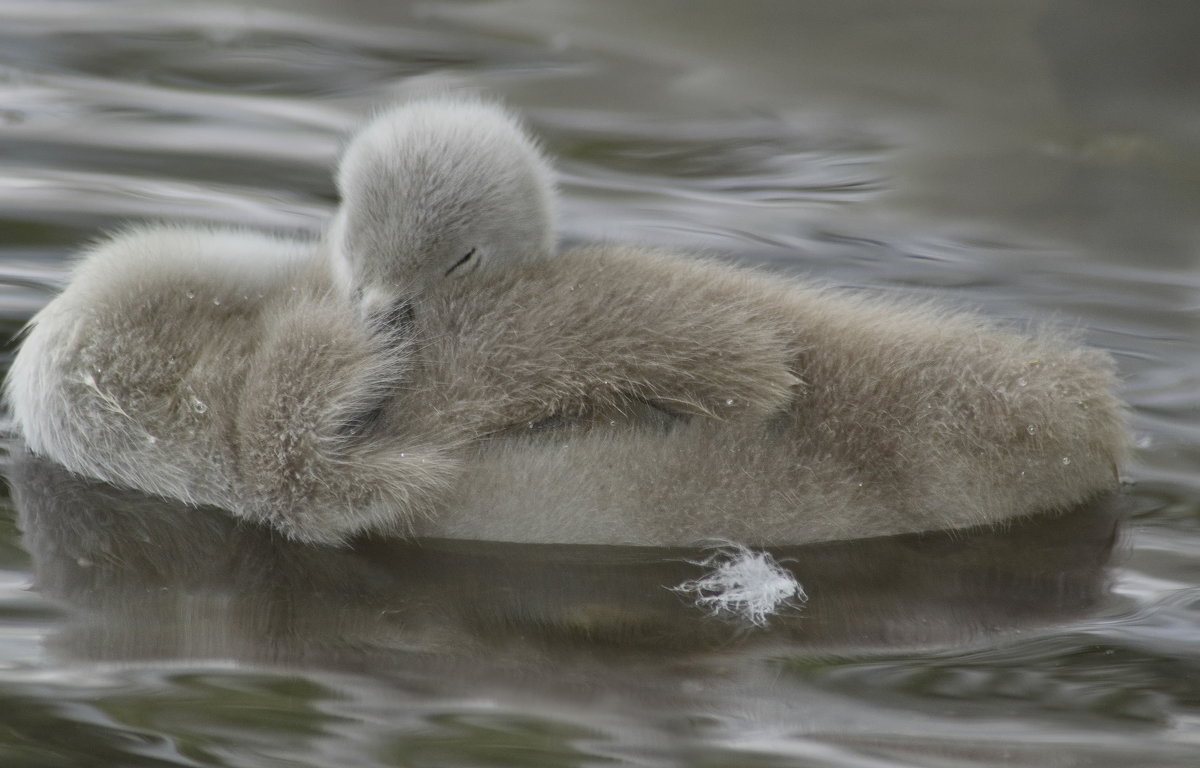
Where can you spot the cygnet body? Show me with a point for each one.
(379, 380)
(908, 418)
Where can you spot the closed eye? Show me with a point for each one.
(460, 262)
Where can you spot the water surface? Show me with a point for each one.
(1034, 160)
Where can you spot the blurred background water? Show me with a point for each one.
(1032, 159)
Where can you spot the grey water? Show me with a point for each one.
(1037, 161)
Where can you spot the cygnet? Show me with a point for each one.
(393, 376)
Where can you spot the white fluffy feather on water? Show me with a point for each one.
(742, 584)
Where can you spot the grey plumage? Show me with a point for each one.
(386, 377)
(908, 418)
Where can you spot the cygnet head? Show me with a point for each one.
(434, 190)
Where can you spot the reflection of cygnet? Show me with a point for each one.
(386, 379)
(235, 368)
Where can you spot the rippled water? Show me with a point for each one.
(1031, 159)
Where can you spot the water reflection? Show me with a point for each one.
(151, 579)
